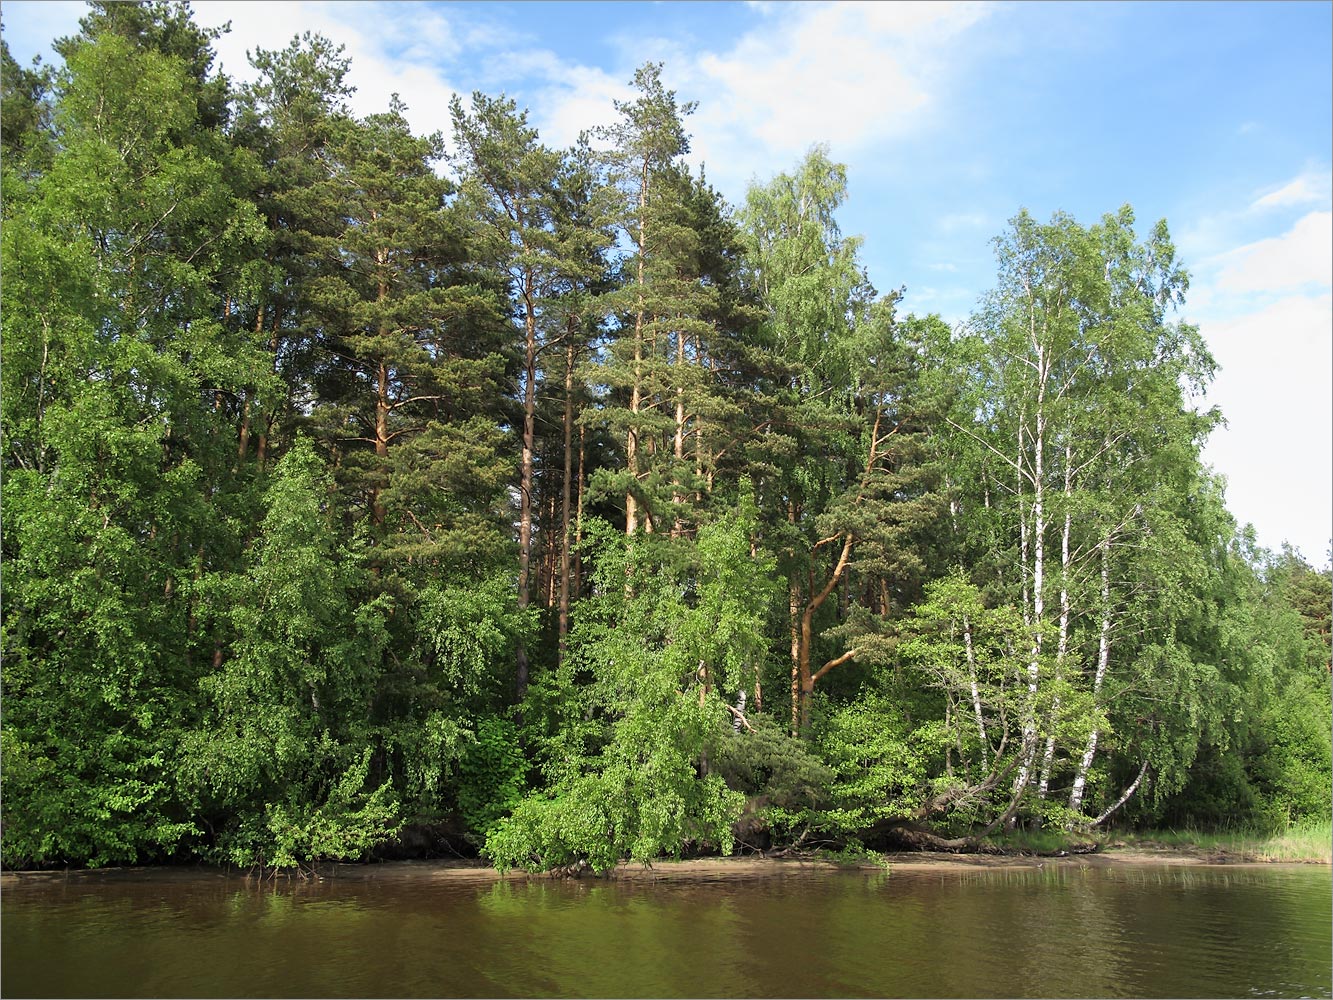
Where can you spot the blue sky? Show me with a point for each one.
(950, 117)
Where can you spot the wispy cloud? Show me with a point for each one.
(1314, 187)
(1274, 388)
(575, 98)
(1301, 256)
(956, 221)
(850, 74)
(401, 48)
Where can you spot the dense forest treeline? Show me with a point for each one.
(366, 491)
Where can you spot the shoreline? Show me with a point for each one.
(465, 871)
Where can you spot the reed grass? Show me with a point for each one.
(1309, 840)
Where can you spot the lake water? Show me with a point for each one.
(408, 929)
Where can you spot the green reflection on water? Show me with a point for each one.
(1058, 930)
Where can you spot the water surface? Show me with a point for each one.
(404, 930)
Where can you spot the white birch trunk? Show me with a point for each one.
(976, 695)
(1062, 645)
(1038, 573)
(1103, 661)
(1133, 787)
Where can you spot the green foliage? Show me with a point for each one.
(491, 776)
(1294, 755)
(814, 289)
(855, 853)
(883, 761)
(279, 759)
(770, 765)
(472, 629)
(344, 827)
(661, 644)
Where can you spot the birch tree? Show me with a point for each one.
(117, 256)
(1082, 420)
(846, 414)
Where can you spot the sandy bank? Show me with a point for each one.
(463, 872)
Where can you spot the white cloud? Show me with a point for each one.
(1275, 387)
(955, 221)
(1311, 187)
(1266, 311)
(850, 74)
(393, 47)
(1301, 256)
(572, 98)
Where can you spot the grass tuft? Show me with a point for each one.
(1310, 840)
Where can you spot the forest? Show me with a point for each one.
(372, 494)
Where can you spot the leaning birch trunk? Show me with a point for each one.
(1103, 661)
(1133, 787)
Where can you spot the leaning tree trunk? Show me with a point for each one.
(1133, 787)
(1103, 661)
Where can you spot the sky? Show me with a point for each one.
(951, 117)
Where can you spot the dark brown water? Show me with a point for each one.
(413, 931)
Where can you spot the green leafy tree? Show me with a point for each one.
(279, 762)
(845, 445)
(115, 464)
(664, 662)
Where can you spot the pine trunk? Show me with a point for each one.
(563, 627)
(525, 475)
